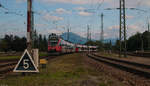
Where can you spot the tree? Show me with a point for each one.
(23, 43)
(4, 46)
(13, 43)
(9, 41)
(35, 40)
(45, 43)
(42, 43)
(116, 46)
(135, 42)
(146, 39)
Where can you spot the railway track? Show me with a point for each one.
(139, 69)
(7, 66)
(145, 55)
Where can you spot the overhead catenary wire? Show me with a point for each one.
(7, 11)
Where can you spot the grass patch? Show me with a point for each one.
(43, 54)
(66, 70)
(9, 57)
(103, 84)
(63, 75)
(17, 57)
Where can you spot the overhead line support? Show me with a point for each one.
(122, 30)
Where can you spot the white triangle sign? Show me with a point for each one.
(26, 64)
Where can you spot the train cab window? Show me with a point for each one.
(53, 43)
(53, 39)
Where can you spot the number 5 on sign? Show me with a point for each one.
(26, 64)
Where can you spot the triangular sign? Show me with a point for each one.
(26, 64)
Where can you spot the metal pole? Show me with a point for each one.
(88, 28)
(88, 33)
(90, 36)
(122, 31)
(102, 30)
(32, 25)
(68, 34)
(148, 27)
(120, 48)
(29, 25)
(125, 41)
(148, 35)
(142, 48)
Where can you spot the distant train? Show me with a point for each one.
(56, 45)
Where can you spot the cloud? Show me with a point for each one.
(81, 2)
(13, 31)
(111, 3)
(69, 1)
(113, 27)
(54, 31)
(80, 8)
(82, 13)
(62, 11)
(143, 3)
(49, 31)
(129, 17)
(133, 27)
(20, 1)
(52, 18)
(40, 25)
(113, 31)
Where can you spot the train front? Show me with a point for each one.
(54, 44)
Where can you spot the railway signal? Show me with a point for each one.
(26, 64)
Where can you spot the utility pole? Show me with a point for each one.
(68, 30)
(148, 27)
(68, 34)
(142, 45)
(32, 30)
(148, 35)
(29, 25)
(88, 37)
(122, 31)
(88, 28)
(102, 30)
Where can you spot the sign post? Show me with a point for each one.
(36, 57)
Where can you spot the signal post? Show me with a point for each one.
(30, 58)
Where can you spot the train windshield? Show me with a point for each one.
(53, 39)
(53, 42)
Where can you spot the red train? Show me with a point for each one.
(56, 45)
